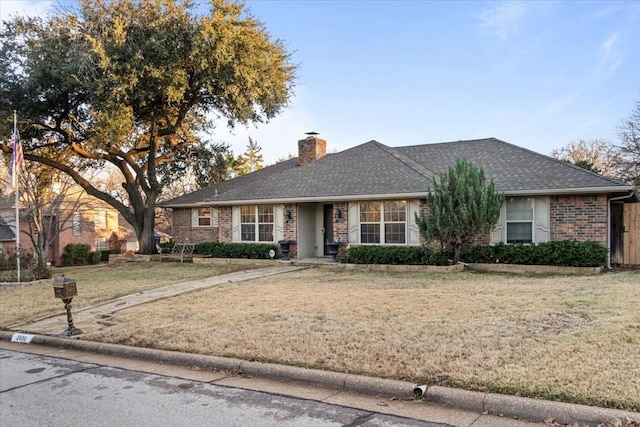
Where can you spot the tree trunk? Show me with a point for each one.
(146, 233)
(456, 253)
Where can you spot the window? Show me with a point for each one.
(519, 220)
(101, 244)
(256, 223)
(76, 223)
(100, 221)
(204, 217)
(388, 216)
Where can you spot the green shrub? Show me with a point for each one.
(76, 254)
(235, 250)
(397, 255)
(104, 255)
(95, 257)
(567, 253)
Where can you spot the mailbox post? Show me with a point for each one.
(65, 289)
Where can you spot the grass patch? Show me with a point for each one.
(98, 283)
(573, 339)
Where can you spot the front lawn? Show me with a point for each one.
(568, 338)
(573, 339)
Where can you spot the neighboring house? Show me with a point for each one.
(370, 194)
(89, 225)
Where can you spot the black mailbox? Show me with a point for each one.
(65, 288)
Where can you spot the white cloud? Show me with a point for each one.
(608, 53)
(12, 8)
(503, 19)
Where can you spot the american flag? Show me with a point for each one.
(17, 158)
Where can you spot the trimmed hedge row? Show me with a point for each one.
(397, 255)
(235, 250)
(564, 253)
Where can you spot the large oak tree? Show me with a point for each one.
(134, 85)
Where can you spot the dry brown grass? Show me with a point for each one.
(567, 338)
(100, 283)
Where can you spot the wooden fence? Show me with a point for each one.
(631, 239)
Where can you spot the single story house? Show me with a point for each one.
(369, 194)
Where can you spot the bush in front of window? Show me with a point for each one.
(563, 253)
(235, 250)
(79, 254)
(397, 255)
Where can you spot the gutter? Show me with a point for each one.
(613, 199)
(394, 196)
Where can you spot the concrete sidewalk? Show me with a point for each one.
(472, 408)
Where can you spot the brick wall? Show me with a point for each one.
(341, 226)
(224, 224)
(579, 218)
(183, 232)
(291, 229)
(311, 149)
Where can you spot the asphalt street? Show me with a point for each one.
(38, 390)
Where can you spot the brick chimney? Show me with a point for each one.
(311, 148)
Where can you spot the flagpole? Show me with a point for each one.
(15, 181)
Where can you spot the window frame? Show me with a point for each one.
(531, 221)
(100, 220)
(76, 224)
(200, 217)
(378, 221)
(257, 221)
(102, 244)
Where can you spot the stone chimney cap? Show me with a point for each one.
(311, 134)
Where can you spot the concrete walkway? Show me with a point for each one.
(97, 317)
(470, 405)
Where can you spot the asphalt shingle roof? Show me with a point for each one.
(374, 169)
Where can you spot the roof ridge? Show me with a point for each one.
(417, 167)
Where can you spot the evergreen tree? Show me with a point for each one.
(461, 206)
(251, 160)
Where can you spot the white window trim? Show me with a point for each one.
(257, 224)
(213, 218)
(532, 222)
(541, 221)
(382, 223)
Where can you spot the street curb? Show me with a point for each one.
(530, 409)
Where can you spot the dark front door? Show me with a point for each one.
(327, 226)
(617, 234)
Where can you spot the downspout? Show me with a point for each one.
(613, 199)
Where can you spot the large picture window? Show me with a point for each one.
(519, 220)
(256, 223)
(383, 222)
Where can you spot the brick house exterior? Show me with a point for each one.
(92, 226)
(370, 194)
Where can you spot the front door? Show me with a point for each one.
(327, 226)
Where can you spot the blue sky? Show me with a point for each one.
(536, 74)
